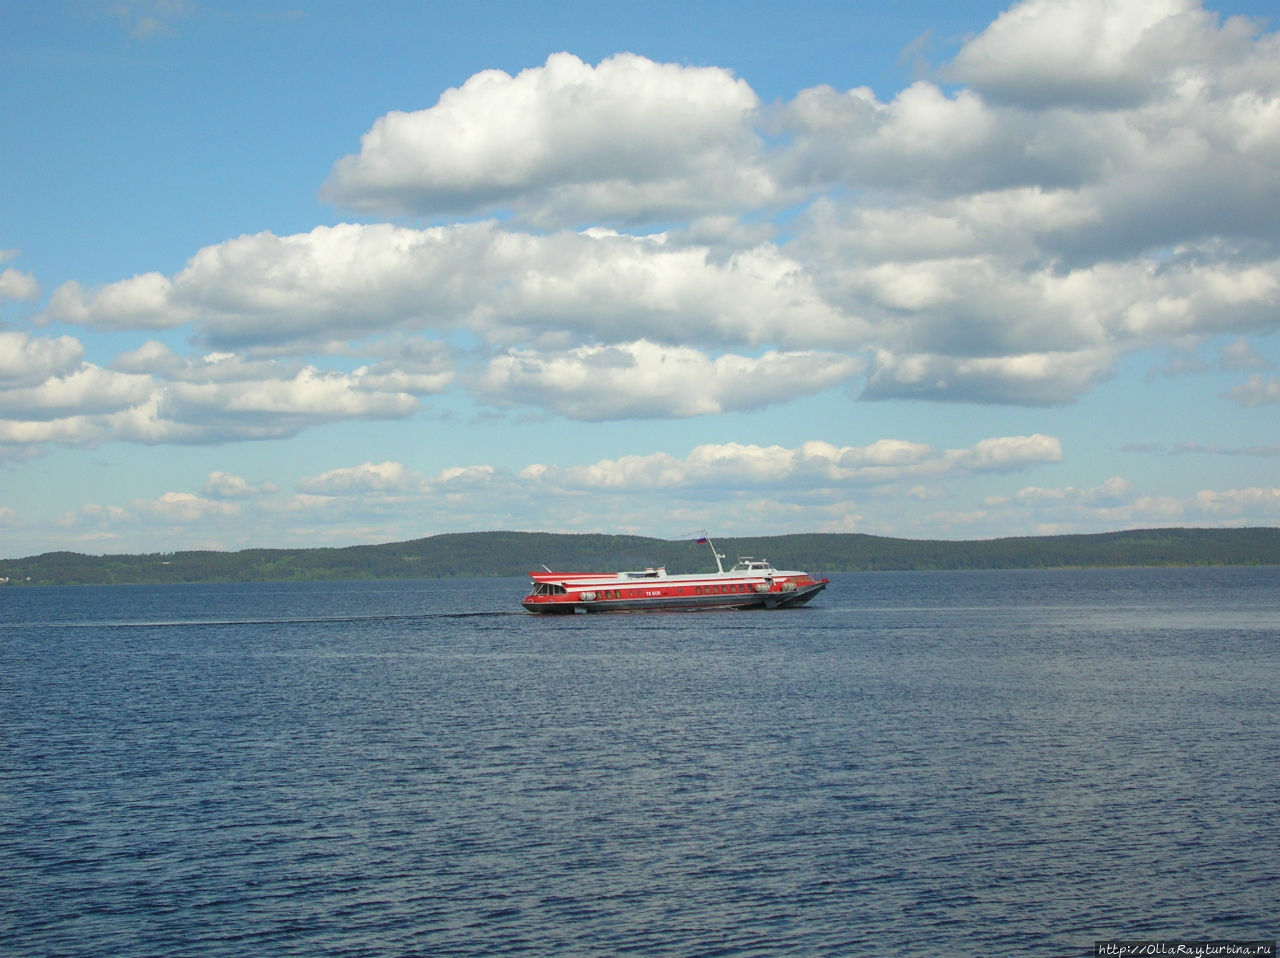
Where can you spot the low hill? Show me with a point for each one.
(476, 554)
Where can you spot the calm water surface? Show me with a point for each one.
(916, 764)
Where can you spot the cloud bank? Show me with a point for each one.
(1101, 182)
(756, 488)
(1085, 183)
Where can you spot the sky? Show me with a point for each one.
(322, 274)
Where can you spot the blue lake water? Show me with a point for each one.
(994, 763)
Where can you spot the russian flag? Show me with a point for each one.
(700, 541)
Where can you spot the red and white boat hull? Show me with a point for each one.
(751, 584)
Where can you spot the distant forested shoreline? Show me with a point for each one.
(482, 554)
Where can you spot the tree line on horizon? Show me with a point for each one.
(484, 554)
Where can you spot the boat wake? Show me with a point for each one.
(261, 620)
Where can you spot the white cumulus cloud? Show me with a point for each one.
(368, 478)
(645, 380)
(15, 285)
(741, 466)
(627, 139)
(1096, 53)
(27, 361)
(1257, 390)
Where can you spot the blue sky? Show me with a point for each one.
(325, 274)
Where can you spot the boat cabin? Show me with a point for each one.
(748, 564)
(650, 573)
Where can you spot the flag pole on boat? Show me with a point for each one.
(703, 537)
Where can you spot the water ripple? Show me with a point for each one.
(995, 764)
